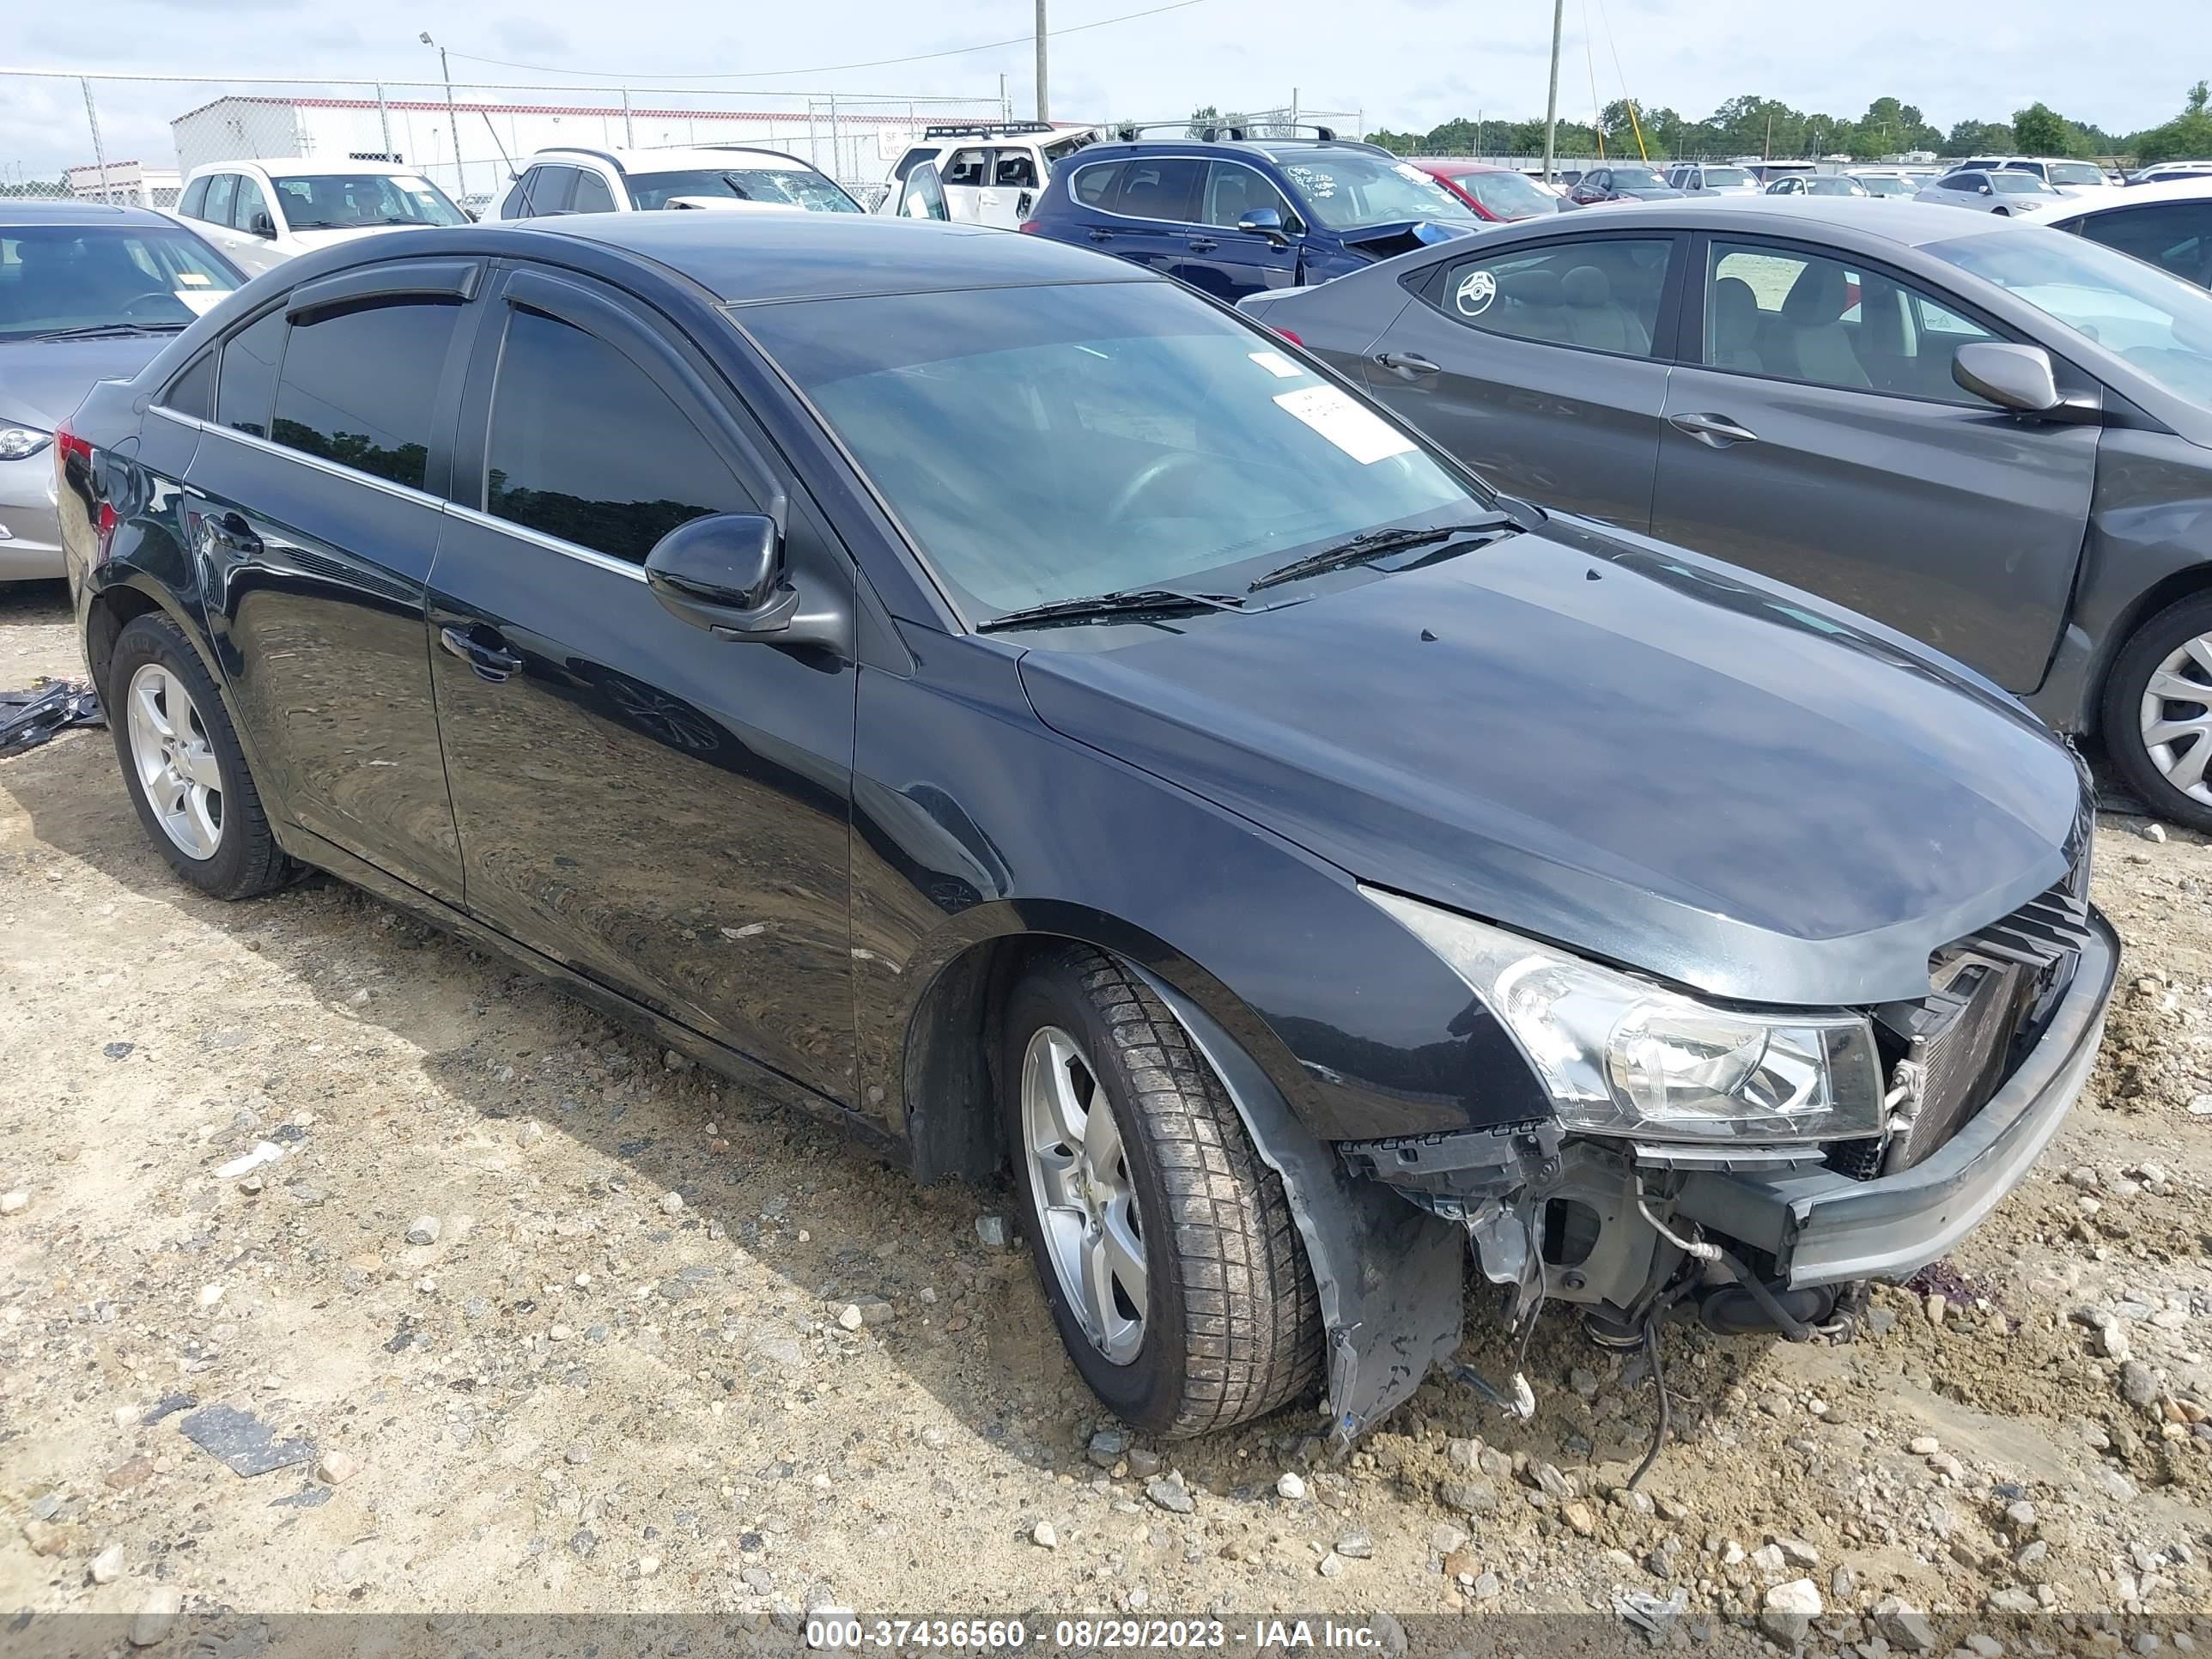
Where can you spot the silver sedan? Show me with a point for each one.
(1992, 190)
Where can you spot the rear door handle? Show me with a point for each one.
(1408, 364)
(228, 533)
(1715, 431)
(1203, 244)
(490, 657)
(1098, 235)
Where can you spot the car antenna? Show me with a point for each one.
(511, 173)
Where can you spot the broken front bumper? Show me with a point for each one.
(1827, 1229)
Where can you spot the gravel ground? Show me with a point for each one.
(529, 1316)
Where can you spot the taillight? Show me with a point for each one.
(66, 444)
(1032, 226)
(1287, 335)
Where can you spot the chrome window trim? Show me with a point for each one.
(539, 538)
(404, 492)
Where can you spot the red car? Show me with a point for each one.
(1495, 192)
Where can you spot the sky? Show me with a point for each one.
(1403, 63)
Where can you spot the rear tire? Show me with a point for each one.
(2157, 728)
(183, 767)
(1196, 1310)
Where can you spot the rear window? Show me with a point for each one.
(1716, 177)
(59, 277)
(359, 387)
(1053, 443)
(765, 187)
(1508, 195)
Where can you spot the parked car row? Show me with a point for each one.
(1021, 708)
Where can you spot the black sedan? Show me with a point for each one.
(1620, 184)
(986, 692)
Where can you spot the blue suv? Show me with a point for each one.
(1234, 216)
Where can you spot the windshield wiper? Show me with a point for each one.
(91, 330)
(1128, 602)
(1376, 543)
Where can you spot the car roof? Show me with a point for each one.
(314, 164)
(20, 212)
(2196, 187)
(660, 161)
(1893, 219)
(752, 258)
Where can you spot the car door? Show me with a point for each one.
(661, 810)
(1230, 263)
(1542, 365)
(215, 222)
(260, 232)
(1154, 209)
(1013, 192)
(921, 195)
(2175, 236)
(966, 175)
(313, 503)
(1813, 433)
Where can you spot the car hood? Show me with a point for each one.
(43, 381)
(309, 240)
(1629, 751)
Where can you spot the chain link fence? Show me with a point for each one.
(139, 136)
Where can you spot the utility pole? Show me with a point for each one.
(1044, 102)
(1552, 105)
(454, 121)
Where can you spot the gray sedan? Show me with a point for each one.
(1990, 190)
(88, 292)
(1989, 435)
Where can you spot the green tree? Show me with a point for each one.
(2185, 138)
(2042, 130)
(1979, 138)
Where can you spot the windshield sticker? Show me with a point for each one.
(1407, 170)
(193, 279)
(1276, 364)
(1312, 182)
(1359, 433)
(201, 300)
(1474, 293)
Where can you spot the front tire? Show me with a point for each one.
(1166, 1246)
(2157, 714)
(183, 766)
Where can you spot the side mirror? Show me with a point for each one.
(725, 573)
(263, 226)
(1262, 222)
(2015, 377)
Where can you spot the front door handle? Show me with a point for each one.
(1715, 431)
(1408, 364)
(493, 661)
(1203, 244)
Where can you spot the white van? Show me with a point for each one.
(261, 213)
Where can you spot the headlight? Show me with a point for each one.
(17, 441)
(1623, 1056)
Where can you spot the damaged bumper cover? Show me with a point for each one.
(1824, 1228)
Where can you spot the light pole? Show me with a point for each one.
(1550, 108)
(1043, 102)
(454, 121)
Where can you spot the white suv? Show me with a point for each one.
(264, 212)
(990, 173)
(717, 177)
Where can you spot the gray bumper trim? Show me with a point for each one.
(1826, 1228)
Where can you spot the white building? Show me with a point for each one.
(854, 142)
(127, 184)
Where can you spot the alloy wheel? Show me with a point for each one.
(1086, 1204)
(175, 762)
(2177, 717)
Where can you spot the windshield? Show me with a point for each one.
(349, 201)
(2159, 324)
(1878, 184)
(2010, 184)
(1835, 187)
(785, 186)
(1729, 178)
(58, 276)
(1639, 179)
(2074, 172)
(1508, 195)
(1056, 443)
(1346, 188)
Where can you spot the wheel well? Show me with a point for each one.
(110, 614)
(950, 1070)
(2185, 583)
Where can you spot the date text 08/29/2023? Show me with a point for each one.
(832, 1632)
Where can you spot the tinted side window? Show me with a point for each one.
(1603, 295)
(2176, 236)
(194, 205)
(247, 378)
(222, 187)
(1093, 186)
(249, 203)
(517, 205)
(591, 195)
(192, 392)
(553, 189)
(584, 446)
(359, 387)
(1233, 190)
(1163, 188)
